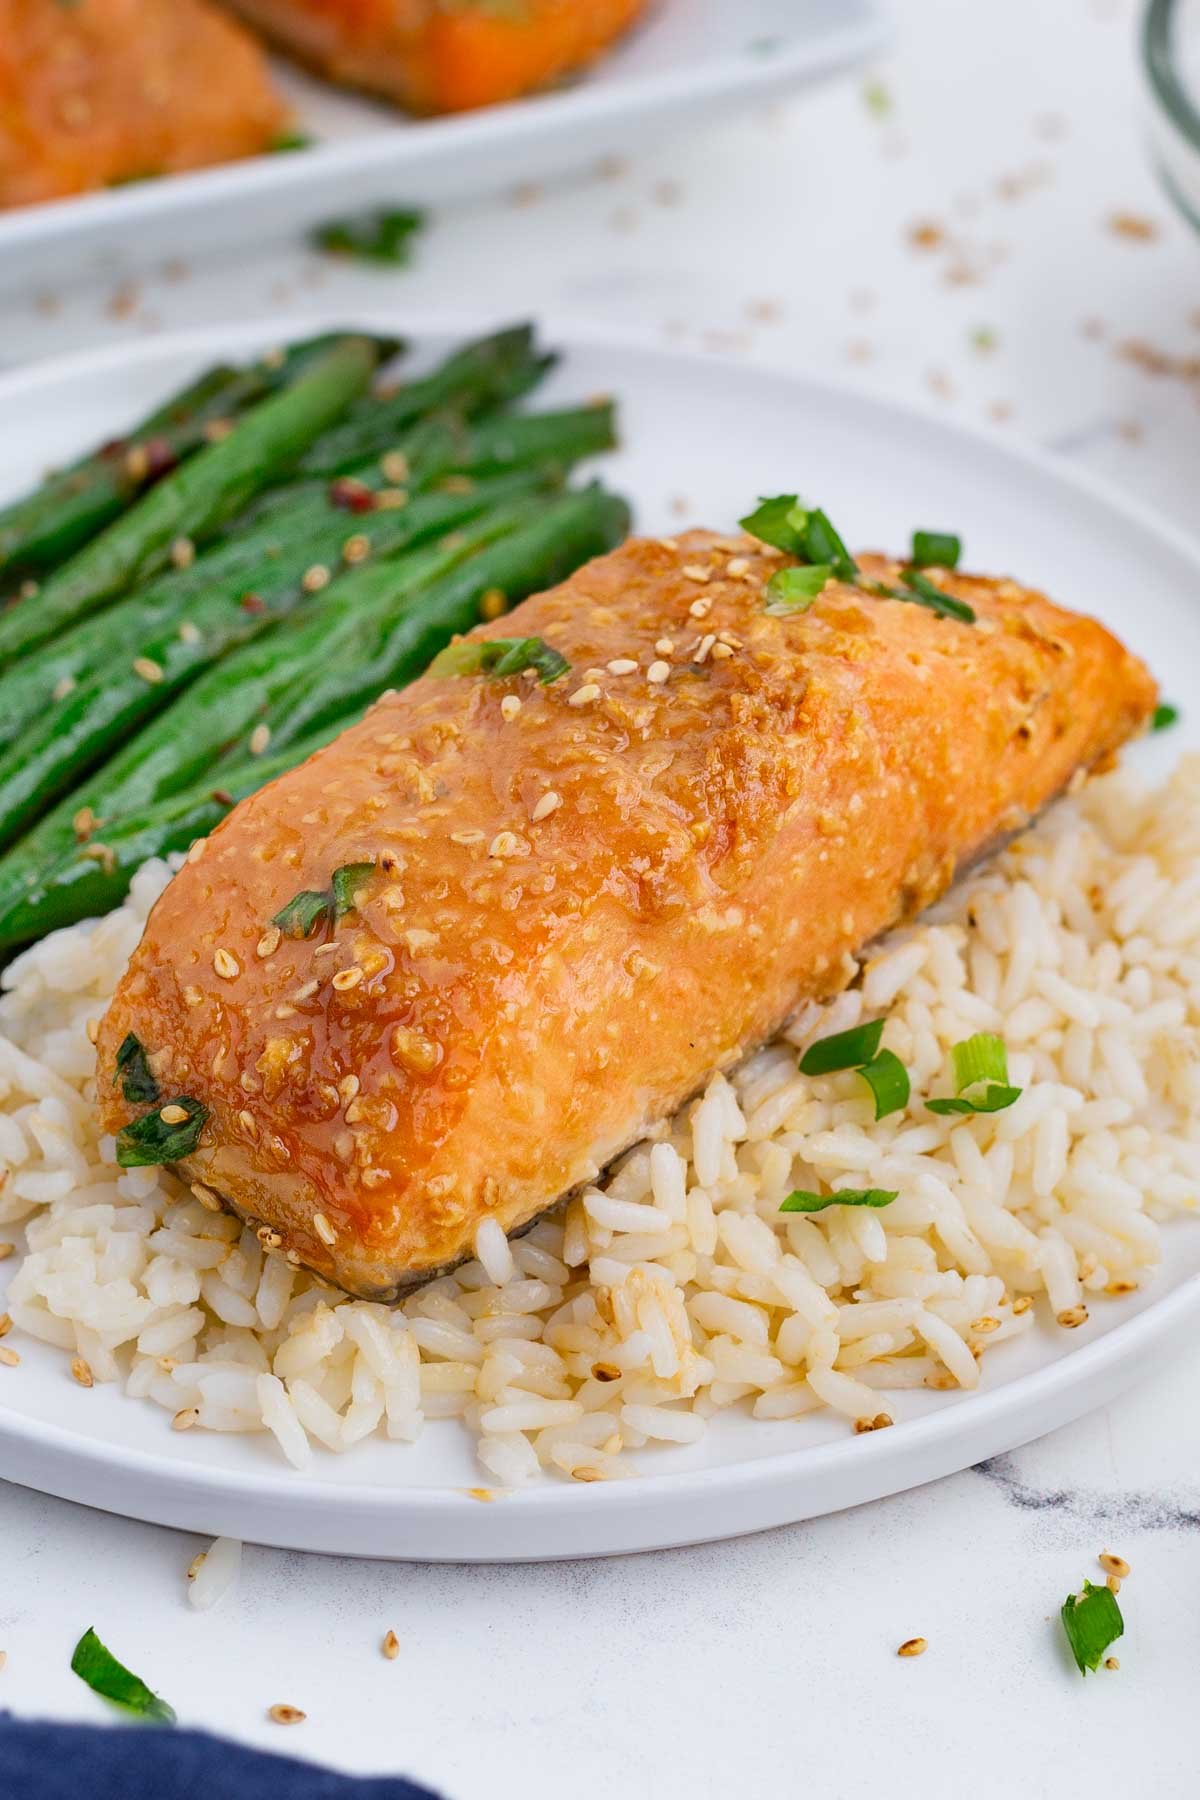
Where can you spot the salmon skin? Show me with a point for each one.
(440, 56)
(99, 92)
(561, 915)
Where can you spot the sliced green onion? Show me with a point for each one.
(794, 590)
(979, 1058)
(290, 140)
(887, 1078)
(843, 1050)
(980, 1062)
(1092, 1621)
(137, 1083)
(935, 550)
(152, 1140)
(94, 1663)
(384, 236)
(823, 544)
(501, 657)
(994, 1098)
(923, 591)
(346, 882)
(1164, 717)
(778, 521)
(802, 1202)
(302, 914)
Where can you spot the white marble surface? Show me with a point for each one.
(768, 1664)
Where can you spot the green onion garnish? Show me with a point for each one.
(887, 1078)
(152, 1139)
(981, 1063)
(1164, 717)
(94, 1663)
(1092, 1621)
(346, 882)
(778, 521)
(290, 140)
(783, 522)
(823, 544)
(935, 550)
(501, 657)
(843, 1050)
(794, 590)
(302, 914)
(137, 1083)
(384, 236)
(923, 591)
(802, 1202)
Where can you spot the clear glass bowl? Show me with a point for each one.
(1170, 51)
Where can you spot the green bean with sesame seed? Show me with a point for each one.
(196, 498)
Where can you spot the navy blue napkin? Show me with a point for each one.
(131, 1762)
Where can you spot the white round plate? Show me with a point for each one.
(703, 437)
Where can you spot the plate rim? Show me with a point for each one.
(412, 142)
(1112, 1359)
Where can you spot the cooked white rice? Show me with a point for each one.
(677, 1288)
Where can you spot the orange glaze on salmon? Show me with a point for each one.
(97, 92)
(581, 906)
(438, 56)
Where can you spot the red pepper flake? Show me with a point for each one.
(160, 457)
(352, 496)
(223, 797)
(252, 603)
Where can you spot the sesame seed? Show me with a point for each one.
(913, 1647)
(137, 464)
(1110, 1662)
(307, 991)
(507, 843)
(324, 1229)
(390, 1646)
(737, 565)
(1113, 1565)
(347, 978)
(700, 609)
(694, 572)
(173, 1115)
(546, 805)
(93, 1030)
(226, 964)
(665, 646)
(587, 1473)
(185, 1418)
(1022, 1304)
(197, 1563)
(583, 695)
(315, 579)
(260, 737)
(493, 603)
(217, 430)
(467, 837)
(985, 1324)
(183, 553)
(189, 633)
(1073, 1316)
(8, 1357)
(82, 1372)
(196, 850)
(720, 651)
(622, 665)
(705, 645)
(84, 822)
(286, 1715)
(658, 672)
(356, 549)
(247, 1122)
(269, 942)
(206, 1197)
(510, 706)
(148, 669)
(394, 467)
(7, 1250)
(391, 499)
(5, 1324)
(62, 688)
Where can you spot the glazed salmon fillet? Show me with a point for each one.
(98, 92)
(437, 56)
(568, 903)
